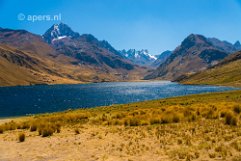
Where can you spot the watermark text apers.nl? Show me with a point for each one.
(35, 18)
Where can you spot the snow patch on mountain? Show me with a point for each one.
(139, 57)
(59, 32)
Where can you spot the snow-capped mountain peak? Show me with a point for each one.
(58, 32)
(140, 57)
(146, 52)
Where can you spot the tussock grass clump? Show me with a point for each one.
(47, 129)
(1, 130)
(10, 125)
(223, 114)
(237, 109)
(33, 127)
(231, 119)
(46, 132)
(166, 119)
(119, 116)
(176, 118)
(154, 121)
(77, 131)
(134, 122)
(211, 114)
(58, 129)
(21, 137)
(25, 125)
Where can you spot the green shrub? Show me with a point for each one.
(21, 137)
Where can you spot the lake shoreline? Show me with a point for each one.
(50, 84)
(6, 119)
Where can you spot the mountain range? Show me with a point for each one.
(196, 53)
(139, 57)
(86, 49)
(60, 56)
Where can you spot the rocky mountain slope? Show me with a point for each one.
(227, 72)
(86, 49)
(161, 58)
(196, 53)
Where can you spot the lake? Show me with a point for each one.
(23, 100)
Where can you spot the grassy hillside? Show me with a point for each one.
(195, 127)
(23, 68)
(226, 73)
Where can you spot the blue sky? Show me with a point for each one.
(156, 25)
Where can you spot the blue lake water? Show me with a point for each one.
(23, 100)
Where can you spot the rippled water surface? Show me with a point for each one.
(17, 101)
